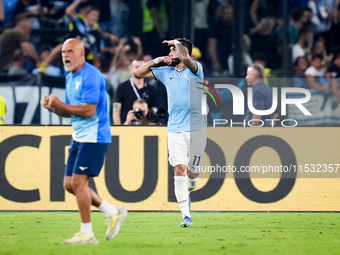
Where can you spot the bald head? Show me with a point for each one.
(75, 43)
(73, 55)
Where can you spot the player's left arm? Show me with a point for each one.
(183, 54)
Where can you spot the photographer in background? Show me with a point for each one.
(130, 90)
(141, 115)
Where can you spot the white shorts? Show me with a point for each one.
(187, 148)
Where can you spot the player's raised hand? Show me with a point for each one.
(166, 59)
(169, 42)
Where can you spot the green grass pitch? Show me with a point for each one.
(159, 233)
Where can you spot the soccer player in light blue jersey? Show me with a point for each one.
(86, 104)
(186, 126)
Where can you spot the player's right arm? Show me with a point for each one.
(85, 110)
(45, 103)
(61, 113)
(116, 113)
(145, 70)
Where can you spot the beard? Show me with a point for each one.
(68, 66)
(69, 69)
(175, 61)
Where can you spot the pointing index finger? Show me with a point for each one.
(171, 42)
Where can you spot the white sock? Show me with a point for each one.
(108, 209)
(192, 183)
(87, 229)
(182, 194)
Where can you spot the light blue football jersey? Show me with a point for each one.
(184, 97)
(89, 86)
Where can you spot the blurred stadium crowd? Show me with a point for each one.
(116, 32)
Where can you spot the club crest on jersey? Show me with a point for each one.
(77, 84)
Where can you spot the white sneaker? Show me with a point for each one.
(81, 238)
(115, 222)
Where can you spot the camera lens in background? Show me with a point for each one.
(139, 114)
(155, 114)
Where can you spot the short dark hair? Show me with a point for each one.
(296, 62)
(317, 56)
(220, 10)
(304, 31)
(259, 56)
(186, 43)
(94, 8)
(43, 48)
(307, 9)
(297, 13)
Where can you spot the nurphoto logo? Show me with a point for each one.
(238, 104)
